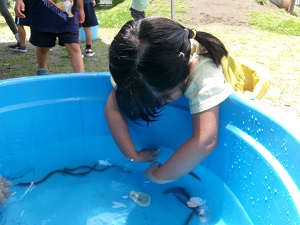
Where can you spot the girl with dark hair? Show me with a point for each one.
(150, 64)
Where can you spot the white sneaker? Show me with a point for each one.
(89, 52)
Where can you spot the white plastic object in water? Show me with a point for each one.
(140, 198)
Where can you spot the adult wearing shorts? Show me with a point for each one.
(90, 21)
(49, 20)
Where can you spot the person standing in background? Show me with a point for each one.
(137, 9)
(90, 21)
(50, 20)
(9, 19)
(21, 22)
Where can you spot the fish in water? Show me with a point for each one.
(195, 203)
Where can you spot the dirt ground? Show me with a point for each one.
(226, 12)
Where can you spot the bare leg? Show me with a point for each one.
(75, 57)
(88, 35)
(41, 56)
(22, 34)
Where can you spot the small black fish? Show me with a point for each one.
(72, 172)
(195, 176)
(178, 190)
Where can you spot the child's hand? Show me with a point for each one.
(19, 8)
(4, 191)
(81, 16)
(147, 155)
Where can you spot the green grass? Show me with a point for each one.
(279, 22)
(115, 16)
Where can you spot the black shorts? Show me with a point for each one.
(48, 40)
(23, 21)
(90, 15)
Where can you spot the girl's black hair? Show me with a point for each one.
(215, 48)
(148, 59)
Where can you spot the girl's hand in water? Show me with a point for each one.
(4, 191)
(147, 155)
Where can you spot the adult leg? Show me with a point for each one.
(75, 57)
(8, 17)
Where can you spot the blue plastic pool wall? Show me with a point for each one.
(257, 157)
(46, 110)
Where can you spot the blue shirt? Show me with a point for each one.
(54, 16)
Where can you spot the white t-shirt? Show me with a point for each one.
(207, 87)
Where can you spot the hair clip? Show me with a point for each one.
(181, 54)
(194, 32)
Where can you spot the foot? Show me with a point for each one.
(89, 52)
(42, 71)
(23, 49)
(14, 46)
(19, 48)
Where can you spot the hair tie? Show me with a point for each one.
(194, 32)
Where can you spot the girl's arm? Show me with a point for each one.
(120, 134)
(192, 152)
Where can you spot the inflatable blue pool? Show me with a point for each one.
(56, 149)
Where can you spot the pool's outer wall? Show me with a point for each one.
(258, 154)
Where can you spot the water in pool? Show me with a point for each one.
(97, 192)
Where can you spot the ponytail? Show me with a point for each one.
(214, 47)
